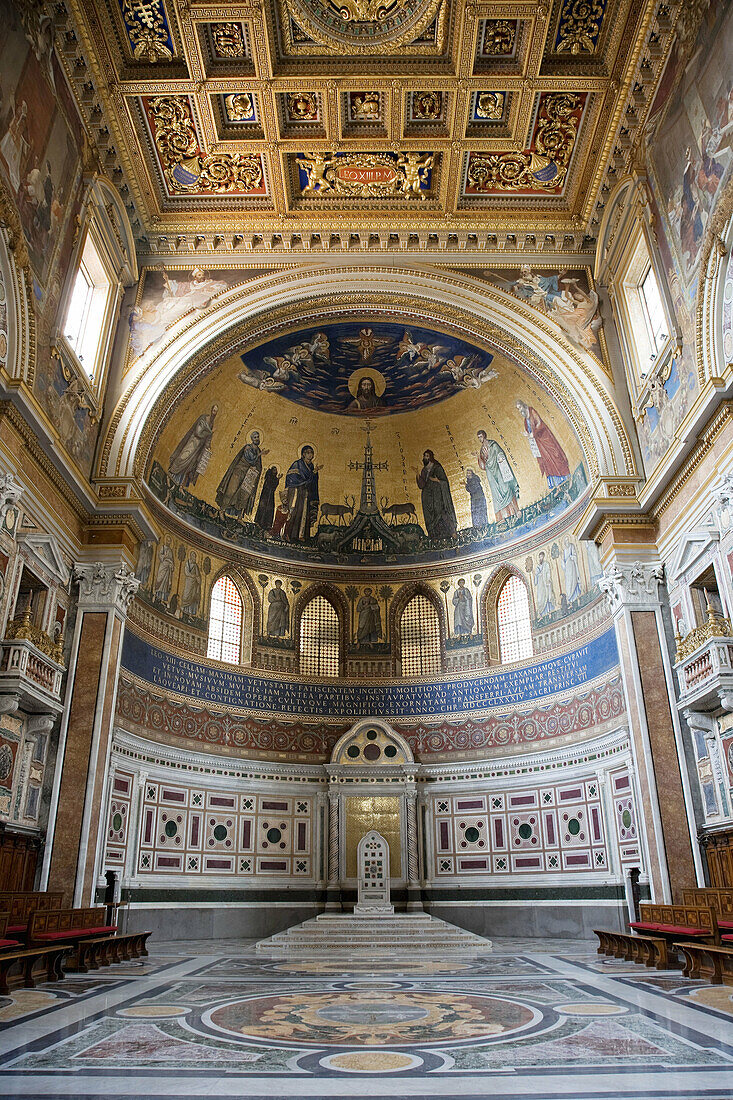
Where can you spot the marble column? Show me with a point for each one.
(75, 843)
(333, 890)
(414, 893)
(668, 832)
(322, 840)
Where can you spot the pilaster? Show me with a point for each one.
(634, 591)
(75, 848)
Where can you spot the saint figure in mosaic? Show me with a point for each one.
(301, 486)
(278, 612)
(191, 594)
(463, 614)
(503, 485)
(238, 488)
(164, 572)
(437, 502)
(543, 586)
(474, 488)
(265, 514)
(369, 617)
(543, 444)
(191, 456)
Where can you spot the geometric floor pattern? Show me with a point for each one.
(540, 1019)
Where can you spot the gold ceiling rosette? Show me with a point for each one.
(363, 26)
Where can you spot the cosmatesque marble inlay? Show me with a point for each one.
(533, 1018)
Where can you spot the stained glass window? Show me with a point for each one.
(225, 622)
(420, 635)
(319, 638)
(514, 621)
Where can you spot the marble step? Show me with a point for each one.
(405, 933)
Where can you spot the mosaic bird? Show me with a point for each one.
(366, 343)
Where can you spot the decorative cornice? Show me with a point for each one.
(10, 413)
(634, 586)
(105, 586)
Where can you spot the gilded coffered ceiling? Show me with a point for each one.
(297, 116)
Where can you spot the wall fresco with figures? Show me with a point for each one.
(565, 295)
(690, 136)
(42, 148)
(367, 441)
(690, 163)
(176, 581)
(166, 294)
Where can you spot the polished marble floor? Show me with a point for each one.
(540, 1019)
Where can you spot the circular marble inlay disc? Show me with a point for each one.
(372, 1017)
(364, 1061)
(591, 1008)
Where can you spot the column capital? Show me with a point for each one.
(632, 585)
(11, 491)
(104, 585)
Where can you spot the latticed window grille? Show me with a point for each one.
(514, 621)
(319, 638)
(225, 622)
(420, 638)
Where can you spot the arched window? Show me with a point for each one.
(420, 638)
(225, 622)
(319, 638)
(513, 621)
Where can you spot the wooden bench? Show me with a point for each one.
(634, 947)
(653, 939)
(50, 960)
(68, 926)
(720, 901)
(122, 947)
(7, 943)
(678, 922)
(708, 961)
(20, 905)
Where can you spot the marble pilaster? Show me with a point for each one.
(75, 848)
(634, 594)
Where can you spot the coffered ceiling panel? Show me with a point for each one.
(364, 114)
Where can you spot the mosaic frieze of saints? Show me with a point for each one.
(366, 440)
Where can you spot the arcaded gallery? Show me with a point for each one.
(366, 549)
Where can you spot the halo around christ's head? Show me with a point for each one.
(380, 382)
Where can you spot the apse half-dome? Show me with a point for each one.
(364, 440)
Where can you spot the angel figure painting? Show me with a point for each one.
(366, 368)
(566, 297)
